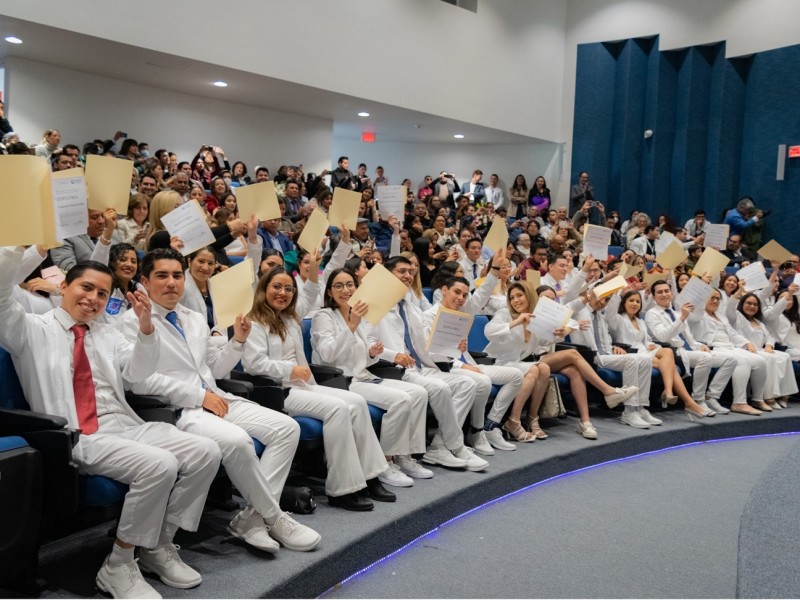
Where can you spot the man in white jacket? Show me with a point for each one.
(190, 361)
(71, 366)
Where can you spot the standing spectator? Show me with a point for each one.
(474, 189)
(49, 144)
(5, 126)
(743, 216)
(341, 177)
(580, 193)
(494, 194)
(519, 196)
(539, 196)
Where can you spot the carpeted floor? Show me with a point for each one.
(351, 541)
(660, 526)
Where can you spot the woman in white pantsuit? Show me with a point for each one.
(339, 339)
(275, 349)
(713, 330)
(751, 321)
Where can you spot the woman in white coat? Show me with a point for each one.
(510, 342)
(749, 319)
(786, 327)
(339, 339)
(337, 260)
(713, 330)
(627, 327)
(275, 349)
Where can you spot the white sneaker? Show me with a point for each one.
(249, 526)
(293, 535)
(479, 443)
(495, 438)
(634, 420)
(648, 418)
(440, 455)
(474, 462)
(124, 581)
(716, 406)
(165, 562)
(587, 430)
(394, 476)
(412, 468)
(620, 395)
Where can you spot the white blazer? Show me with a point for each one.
(706, 328)
(335, 345)
(41, 347)
(507, 344)
(622, 328)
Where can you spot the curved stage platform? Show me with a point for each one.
(353, 541)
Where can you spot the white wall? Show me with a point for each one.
(414, 161)
(747, 26)
(417, 54)
(84, 107)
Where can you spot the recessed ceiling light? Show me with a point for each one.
(363, 114)
(459, 136)
(13, 40)
(220, 84)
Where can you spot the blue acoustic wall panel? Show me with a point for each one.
(717, 125)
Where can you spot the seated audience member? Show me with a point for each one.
(787, 326)
(451, 397)
(168, 471)
(189, 363)
(511, 343)
(339, 339)
(36, 293)
(751, 320)
(214, 200)
(740, 256)
(472, 263)
(714, 329)
(271, 237)
(449, 268)
(536, 261)
(637, 227)
(124, 264)
(353, 454)
(49, 144)
(239, 174)
(623, 315)
(148, 185)
(305, 264)
(515, 387)
(645, 244)
(133, 228)
(93, 245)
(415, 295)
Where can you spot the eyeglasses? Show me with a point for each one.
(278, 288)
(340, 286)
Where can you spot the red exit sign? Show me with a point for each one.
(794, 151)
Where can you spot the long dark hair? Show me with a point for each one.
(115, 254)
(759, 315)
(621, 310)
(329, 301)
(264, 314)
(792, 313)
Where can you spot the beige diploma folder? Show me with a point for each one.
(711, 262)
(381, 291)
(344, 208)
(232, 292)
(533, 277)
(497, 238)
(609, 287)
(672, 256)
(773, 251)
(108, 183)
(27, 197)
(259, 199)
(316, 227)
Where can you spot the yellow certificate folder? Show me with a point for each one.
(497, 238)
(316, 227)
(259, 199)
(672, 256)
(609, 287)
(108, 183)
(381, 291)
(344, 208)
(232, 292)
(27, 198)
(711, 262)
(773, 251)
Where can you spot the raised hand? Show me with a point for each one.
(140, 304)
(241, 328)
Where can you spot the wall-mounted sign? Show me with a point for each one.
(794, 151)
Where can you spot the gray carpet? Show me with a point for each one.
(769, 533)
(661, 526)
(352, 541)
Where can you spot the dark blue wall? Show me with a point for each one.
(717, 125)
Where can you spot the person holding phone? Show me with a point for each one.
(133, 228)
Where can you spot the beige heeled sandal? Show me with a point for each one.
(516, 430)
(532, 425)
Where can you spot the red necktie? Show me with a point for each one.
(82, 384)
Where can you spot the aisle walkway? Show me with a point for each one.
(664, 525)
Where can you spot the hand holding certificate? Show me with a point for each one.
(448, 330)
(381, 291)
(695, 292)
(189, 224)
(595, 241)
(754, 277)
(547, 317)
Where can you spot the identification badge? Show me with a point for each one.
(114, 306)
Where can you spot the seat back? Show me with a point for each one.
(477, 340)
(11, 395)
(306, 325)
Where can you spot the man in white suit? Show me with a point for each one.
(190, 361)
(71, 366)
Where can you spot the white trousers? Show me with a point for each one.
(701, 364)
(749, 367)
(636, 370)
(352, 451)
(260, 483)
(451, 399)
(406, 406)
(780, 375)
(510, 380)
(168, 473)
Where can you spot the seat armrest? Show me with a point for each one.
(329, 376)
(237, 387)
(386, 370)
(142, 402)
(587, 353)
(254, 379)
(14, 421)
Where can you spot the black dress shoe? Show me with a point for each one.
(379, 493)
(352, 501)
(298, 500)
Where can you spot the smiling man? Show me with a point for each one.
(189, 364)
(73, 367)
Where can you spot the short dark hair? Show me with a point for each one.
(391, 263)
(649, 228)
(70, 147)
(180, 164)
(149, 260)
(341, 158)
(553, 258)
(699, 212)
(87, 265)
(475, 239)
(150, 175)
(453, 280)
(657, 283)
(360, 164)
(259, 169)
